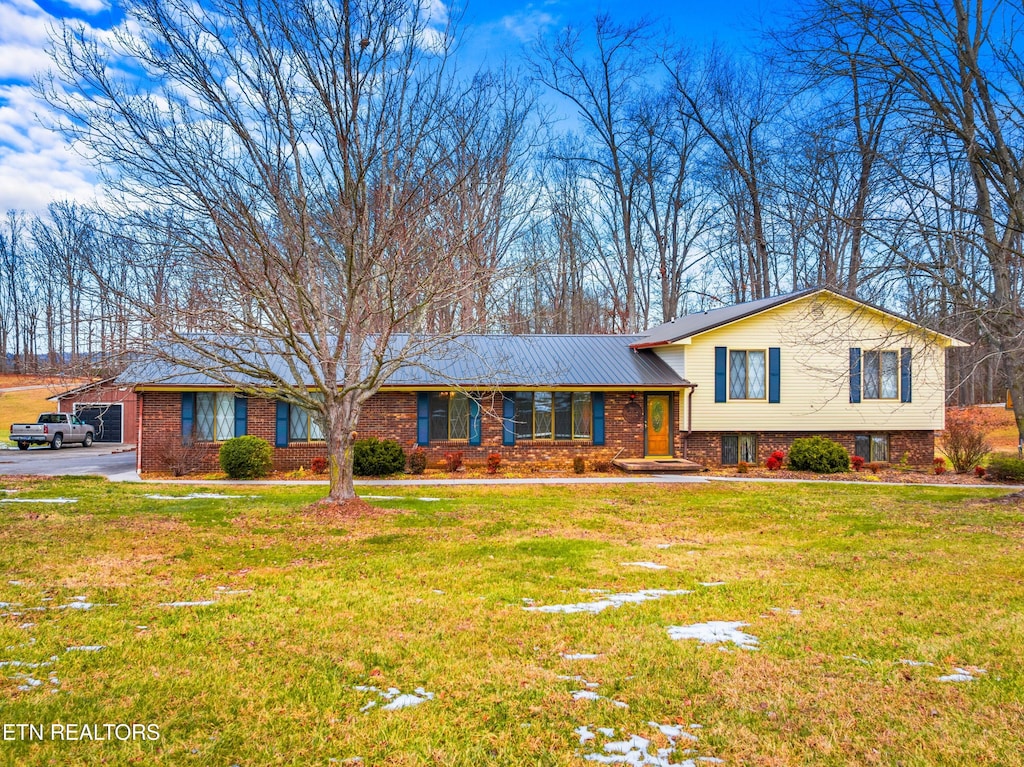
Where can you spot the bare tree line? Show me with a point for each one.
(873, 146)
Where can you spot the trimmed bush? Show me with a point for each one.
(817, 454)
(493, 463)
(1006, 467)
(246, 457)
(372, 457)
(418, 461)
(578, 464)
(453, 461)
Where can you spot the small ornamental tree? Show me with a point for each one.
(965, 440)
(246, 457)
(819, 455)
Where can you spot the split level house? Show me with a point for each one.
(714, 388)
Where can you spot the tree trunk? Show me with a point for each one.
(341, 417)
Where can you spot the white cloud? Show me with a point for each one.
(88, 6)
(36, 165)
(528, 25)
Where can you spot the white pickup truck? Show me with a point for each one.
(53, 429)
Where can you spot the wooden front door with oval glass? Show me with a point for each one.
(659, 425)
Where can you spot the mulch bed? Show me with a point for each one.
(352, 508)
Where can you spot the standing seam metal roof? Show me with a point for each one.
(483, 361)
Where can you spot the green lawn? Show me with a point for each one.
(838, 584)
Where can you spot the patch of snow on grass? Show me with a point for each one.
(611, 600)
(38, 500)
(577, 678)
(585, 734)
(201, 603)
(195, 497)
(636, 749)
(962, 675)
(87, 648)
(591, 695)
(715, 632)
(647, 565)
(85, 605)
(581, 655)
(397, 698)
(907, 662)
(710, 584)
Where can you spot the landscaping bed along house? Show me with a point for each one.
(689, 625)
(973, 450)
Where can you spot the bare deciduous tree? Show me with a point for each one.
(304, 146)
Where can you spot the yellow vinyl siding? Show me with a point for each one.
(814, 335)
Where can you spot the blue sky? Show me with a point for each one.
(37, 165)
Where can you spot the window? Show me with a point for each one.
(746, 374)
(881, 374)
(738, 447)
(449, 416)
(873, 448)
(215, 416)
(557, 415)
(304, 425)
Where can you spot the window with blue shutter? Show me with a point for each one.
(774, 375)
(475, 421)
(423, 419)
(906, 387)
(597, 402)
(241, 416)
(281, 425)
(508, 420)
(188, 413)
(721, 357)
(854, 375)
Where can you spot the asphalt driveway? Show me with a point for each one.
(114, 461)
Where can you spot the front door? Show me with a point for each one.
(659, 425)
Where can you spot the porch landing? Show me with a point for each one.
(657, 465)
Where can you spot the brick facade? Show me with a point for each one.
(706, 447)
(392, 415)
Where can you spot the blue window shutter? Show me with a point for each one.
(720, 373)
(281, 425)
(854, 375)
(475, 421)
(597, 405)
(508, 420)
(423, 418)
(241, 416)
(906, 388)
(774, 375)
(188, 413)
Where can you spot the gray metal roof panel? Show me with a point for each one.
(484, 361)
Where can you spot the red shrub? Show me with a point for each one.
(453, 461)
(940, 465)
(779, 455)
(857, 462)
(979, 471)
(773, 463)
(742, 467)
(418, 461)
(965, 440)
(318, 465)
(493, 462)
